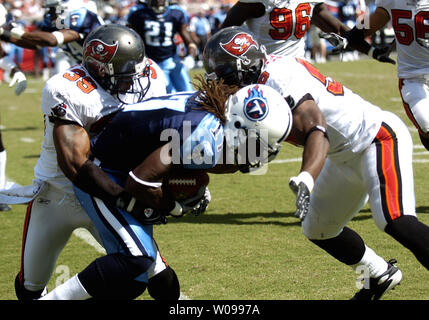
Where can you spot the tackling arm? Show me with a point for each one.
(323, 19)
(307, 130)
(72, 146)
(36, 39)
(240, 12)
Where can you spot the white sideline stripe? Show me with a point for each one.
(87, 237)
(422, 153)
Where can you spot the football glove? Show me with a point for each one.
(338, 42)
(195, 205)
(143, 214)
(382, 54)
(302, 185)
(21, 82)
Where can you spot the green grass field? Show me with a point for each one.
(248, 245)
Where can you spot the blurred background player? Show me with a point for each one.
(157, 23)
(66, 25)
(409, 20)
(281, 26)
(17, 79)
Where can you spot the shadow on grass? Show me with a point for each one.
(254, 218)
(21, 129)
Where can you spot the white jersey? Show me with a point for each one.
(410, 21)
(76, 97)
(352, 122)
(283, 27)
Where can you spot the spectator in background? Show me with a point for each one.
(200, 27)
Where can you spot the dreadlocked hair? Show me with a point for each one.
(213, 95)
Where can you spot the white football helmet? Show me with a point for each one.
(3, 14)
(258, 119)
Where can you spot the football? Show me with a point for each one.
(184, 184)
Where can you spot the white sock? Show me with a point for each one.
(376, 265)
(72, 289)
(2, 169)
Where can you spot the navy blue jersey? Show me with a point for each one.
(157, 30)
(82, 20)
(136, 131)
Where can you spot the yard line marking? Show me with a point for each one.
(87, 237)
(27, 140)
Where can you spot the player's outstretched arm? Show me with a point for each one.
(240, 12)
(323, 19)
(36, 39)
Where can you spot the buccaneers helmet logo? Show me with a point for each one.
(239, 45)
(101, 51)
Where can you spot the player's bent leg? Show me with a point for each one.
(113, 276)
(165, 285)
(412, 234)
(415, 99)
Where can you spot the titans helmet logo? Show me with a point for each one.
(101, 51)
(239, 45)
(255, 104)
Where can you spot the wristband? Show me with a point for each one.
(17, 32)
(60, 38)
(145, 183)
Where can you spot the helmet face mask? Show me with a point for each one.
(234, 55)
(258, 120)
(114, 55)
(158, 6)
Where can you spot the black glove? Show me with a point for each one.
(382, 54)
(143, 214)
(338, 42)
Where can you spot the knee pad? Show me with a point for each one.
(112, 276)
(164, 286)
(24, 294)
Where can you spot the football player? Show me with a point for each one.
(136, 151)
(77, 104)
(66, 25)
(18, 79)
(370, 157)
(281, 25)
(409, 20)
(157, 23)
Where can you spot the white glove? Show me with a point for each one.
(21, 82)
(302, 185)
(196, 205)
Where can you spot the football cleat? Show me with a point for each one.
(378, 286)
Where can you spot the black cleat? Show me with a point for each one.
(378, 286)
